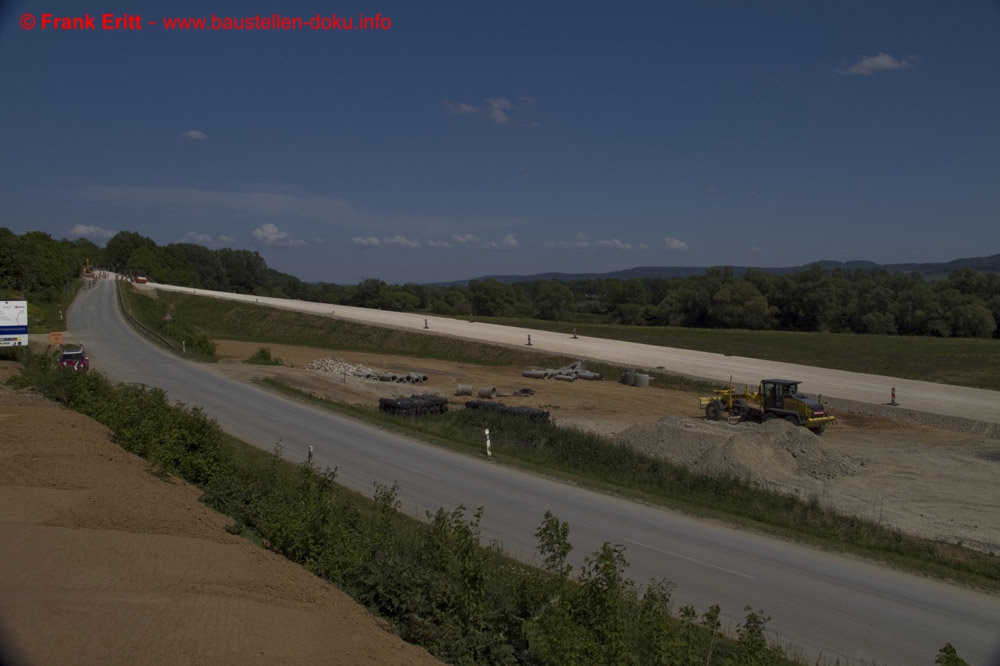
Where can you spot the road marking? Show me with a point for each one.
(412, 469)
(691, 559)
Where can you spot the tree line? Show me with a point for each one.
(964, 304)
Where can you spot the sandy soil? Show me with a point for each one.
(105, 563)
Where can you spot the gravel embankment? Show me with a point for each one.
(759, 453)
(914, 417)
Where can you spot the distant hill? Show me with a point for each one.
(931, 271)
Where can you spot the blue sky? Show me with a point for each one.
(477, 138)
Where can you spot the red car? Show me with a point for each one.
(74, 359)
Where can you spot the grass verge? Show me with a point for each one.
(959, 361)
(592, 461)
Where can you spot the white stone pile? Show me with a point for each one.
(340, 366)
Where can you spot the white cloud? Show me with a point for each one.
(674, 245)
(497, 109)
(90, 231)
(582, 242)
(195, 237)
(465, 239)
(391, 241)
(194, 135)
(508, 242)
(613, 244)
(269, 234)
(868, 65)
(400, 241)
(460, 109)
(438, 243)
(226, 239)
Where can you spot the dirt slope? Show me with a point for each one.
(104, 563)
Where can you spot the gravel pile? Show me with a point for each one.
(759, 453)
(340, 366)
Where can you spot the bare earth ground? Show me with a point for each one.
(104, 563)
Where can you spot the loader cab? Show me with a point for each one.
(776, 390)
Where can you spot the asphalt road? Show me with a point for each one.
(822, 603)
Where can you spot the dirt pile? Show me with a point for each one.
(759, 453)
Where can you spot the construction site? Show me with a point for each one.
(926, 475)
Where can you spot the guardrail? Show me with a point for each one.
(138, 326)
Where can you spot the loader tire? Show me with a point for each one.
(713, 411)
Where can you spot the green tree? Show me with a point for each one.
(972, 320)
(43, 265)
(121, 246)
(245, 270)
(162, 266)
(491, 298)
(207, 267)
(367, 293)
(553, 301)
(739, 304)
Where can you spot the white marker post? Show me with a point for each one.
(489, 451)
(310, 457)
(529, 340)
(892, 399)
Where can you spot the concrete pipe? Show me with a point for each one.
(487, 392)
(589, 376)
(550, 373)
(405, 379)
(464, 389)
(642, 380)
(386, 377)
(534, 374)
(565, 378)
(417, 379)
(628, 379)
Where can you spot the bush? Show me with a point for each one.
(263, 357)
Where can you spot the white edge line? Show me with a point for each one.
(691, 559)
